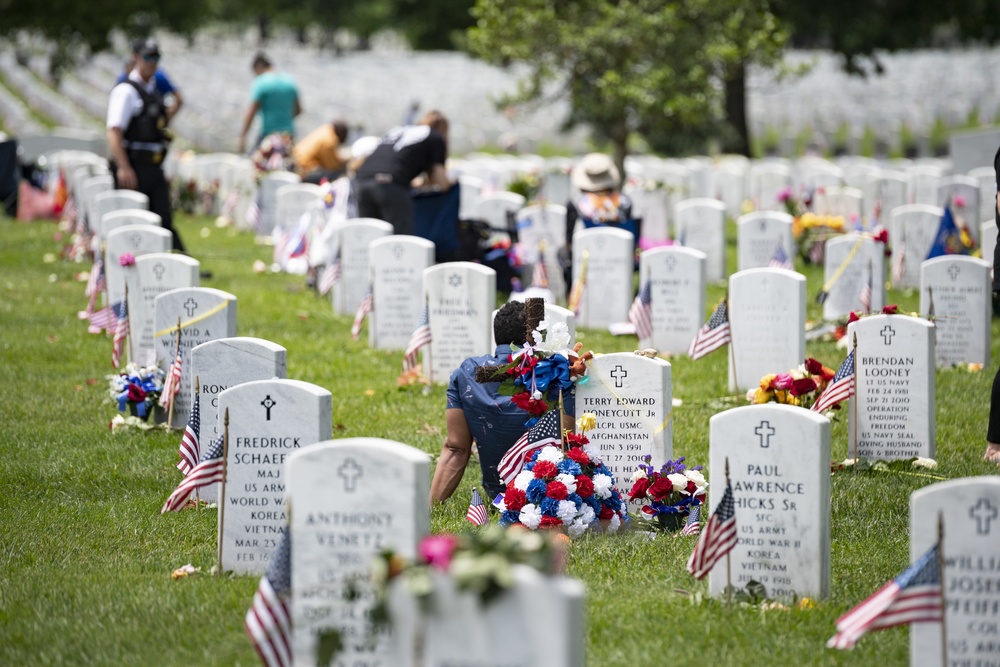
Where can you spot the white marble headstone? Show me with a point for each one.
(397, 265)
(205, 314)
(269, 420)
(767, 180)
(894, 399)
(88, 191)
(913, 227)
(882, 194)
(959, 288)
(155, 273)
(988, 233)
(355, 235)
(553, 313)
(138, 240)
(699, 224)
(677, 295)
(759, 235)
(609, 257)
(970, 512)
(541, 233)
(767, 319)
(859, 260)
(460, 298)
(779, 467)
(269, 185)
(108, 201)
(961, 194)
(352, 498)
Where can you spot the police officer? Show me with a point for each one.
(138, 135)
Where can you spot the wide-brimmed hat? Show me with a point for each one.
(596, 172)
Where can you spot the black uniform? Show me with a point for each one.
(993, 432)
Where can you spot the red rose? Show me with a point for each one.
(660, 489)
(556, 490)
(514, 499)
(577, 454)
(853, 317)
(136, 393)
(803, 386)
(550, 521)
(584, 486)
(691, 488)
(605, 513)
(639, 489)
(814, 366)
(545, 470)
(891, 309)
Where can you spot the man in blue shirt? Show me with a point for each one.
(477, 412)
(274, 96)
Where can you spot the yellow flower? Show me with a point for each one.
(761, 397)
(587, 422)
(975, 368)
(806, 603)
(765, 382)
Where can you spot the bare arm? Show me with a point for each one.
(247, 120)
(176, 106)
(125, 175)
(454, 456)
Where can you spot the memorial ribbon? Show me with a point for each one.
(195, 320)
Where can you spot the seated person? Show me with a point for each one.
(318, 155)
(601, 202)
(478, 412)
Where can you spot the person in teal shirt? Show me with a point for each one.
(275, 97)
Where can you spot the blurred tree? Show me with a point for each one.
(431, 25)
(651, 66)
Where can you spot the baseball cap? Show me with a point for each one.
(146, 47)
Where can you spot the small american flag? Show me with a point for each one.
(190, 449)
(103, 319)
(866, 293)
(254, 218)
(172, 385)
(232, 199)
(641, 312)
(912, 597)
(367, 305)
(268, 621)
(540, 273)
(211, 470)
(717, 540)
(898, 263)
(576, 294)
(693, 524)
(95, 283)
(121, 333)
(713, 335)
(421, 336)
(545, 432)
(329, 278)
(840, 388)
(780, 259)
(477, 510)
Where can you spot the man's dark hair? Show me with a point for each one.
(260, 61)
(340, 129)
(509, 324)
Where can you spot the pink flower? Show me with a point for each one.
(126, 259)
(784, 381)
(959, 201)
(437, 550)
(785, 195)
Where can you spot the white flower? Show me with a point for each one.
(530, 516)
(602, 485)
(557, 338)
(640, 473)
(587, 514)
(696, 477)
(566, 511)
(568, 480)
(594, 452)
(523, 479)
(615, 523)
(921, 462)
(577, 528)
(751, 394)
(553, 454)
(680, 482)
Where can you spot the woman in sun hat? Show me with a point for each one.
(600, 202)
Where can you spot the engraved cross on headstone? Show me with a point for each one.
(953, 271)
(619, 374)
(887, 333)
(350, 471)
(983, 512)
(397, 251)
(764, 433)
(268, 403)
(135, 240)
(159, 270)
(190, 306)
(671, 263)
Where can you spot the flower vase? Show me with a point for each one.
(133, 409)
(671, 521)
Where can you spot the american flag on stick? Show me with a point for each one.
(780, 259)
(718, 538)
(121, 333)
(693, 524)
(912, 597)
(641, 312)
(477, 510)
(255, 218)
(268, 622)
(576, 294)
(866, 292)
(103, 319)
(841, 387)
(713, 335)
(329, 277)
(190, 449)
(539, 273)
(421, 336)
(367, 305)
(211, 470)
(172, 384)
(544, 432)
(898, 263)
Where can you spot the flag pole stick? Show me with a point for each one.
(729, 570)
(222, 490)
(854, 404)
(944, 609)
(197, 491)
(107, 291)
(732, 348)
(170, 369)
(131, 356)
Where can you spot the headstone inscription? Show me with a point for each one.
(853, 262)
(758, 237)
(155, 274)
(397, 265)
(135, 239)
(268, 421)
(355, 235)
(970, 513)
(353, 498)
(205, 314)
(700, 224)
(676, 277)
(779, 468)
(632, 397)
(604, 259)
(460, 297)
(767, 319)
(894, 396)
(959, 290)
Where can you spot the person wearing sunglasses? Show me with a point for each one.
(172, 95)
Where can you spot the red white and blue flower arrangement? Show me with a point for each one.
(136, 391)
(670, 492)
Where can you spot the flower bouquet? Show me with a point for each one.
(571, 489)
(136, 390)
(274, 153)
(800, 386)
(669, 492)
(811, 232)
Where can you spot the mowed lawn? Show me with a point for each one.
(86, 559)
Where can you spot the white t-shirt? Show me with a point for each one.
(125, 102)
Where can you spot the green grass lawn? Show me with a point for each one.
(85, 558)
